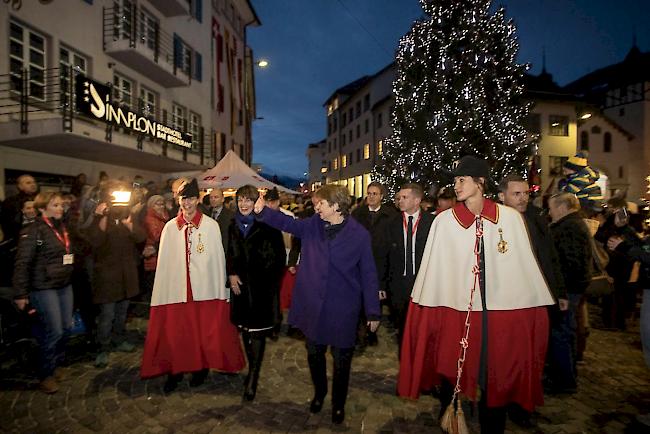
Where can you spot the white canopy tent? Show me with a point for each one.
(232, 172)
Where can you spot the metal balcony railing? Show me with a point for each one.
(24, 96)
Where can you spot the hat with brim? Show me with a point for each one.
(470, 165)
(189, 189)
(577, 162)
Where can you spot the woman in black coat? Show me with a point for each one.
(43, 271)
(255, 264)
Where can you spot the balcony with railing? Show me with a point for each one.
(38, 112)
(172, 8)
(134, 37)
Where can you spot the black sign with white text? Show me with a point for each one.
(94, 100)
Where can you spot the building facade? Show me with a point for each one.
(620, 91)
(148, 87)
(358, 121)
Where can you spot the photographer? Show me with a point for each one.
(620, 265)
(113, 235)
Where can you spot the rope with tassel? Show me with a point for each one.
(453, 420)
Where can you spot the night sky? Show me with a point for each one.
(317, 46)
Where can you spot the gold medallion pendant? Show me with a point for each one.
(502, 245)
(200, 248)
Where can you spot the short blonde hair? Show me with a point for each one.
(567, 199)
(42, 199)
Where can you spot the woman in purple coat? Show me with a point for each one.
(337, 276)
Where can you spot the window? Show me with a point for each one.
(620, 171)
(366, 126)
(334, 143)
(607, 142)
(350, 136)
(351, 114)
(344, 160)
(335, 164)
(366, 151)
(122, 90)
(179, 115)
(196, 9)
(358, 109)
(350, 159)
(358, 155)
(27, 51)
(68, 59)
(534, 123)
(558, 125)
(380, 147)
(195, 130)
(595, 129)
(379, 120)
(122, 19)
(334, 123)
(329, 146)
(187, 60)
(366, 102)
(147, 29)
(148, 102)
(358, 130)
(584, 141)
(344, 120)
(343, 140)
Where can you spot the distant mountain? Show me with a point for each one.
(284, 180)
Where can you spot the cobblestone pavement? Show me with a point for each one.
(614, 388)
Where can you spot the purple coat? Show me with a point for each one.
(335, 278)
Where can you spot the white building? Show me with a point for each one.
(178, 74)
(620, 91)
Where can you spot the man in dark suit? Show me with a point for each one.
(406, 236)
(221, 214)
(374, 215)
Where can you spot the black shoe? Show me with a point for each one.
(338, 416)
(371, 339)
(316, 405)
(521, 417)
(250, 388)
(172, 382)
(198, 377)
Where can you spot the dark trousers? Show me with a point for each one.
(399, 309)
(560, 368)
(111, 323)
(318, 369)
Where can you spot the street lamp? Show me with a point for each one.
(585, 116)
(262, 63)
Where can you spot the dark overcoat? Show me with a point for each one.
(258, 259)
(393, 281)
(335, 279)
(115, 260)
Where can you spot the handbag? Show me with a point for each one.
(601, 283)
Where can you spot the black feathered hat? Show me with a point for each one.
(189, 189)
(470, 165)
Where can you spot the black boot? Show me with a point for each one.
(340, 382)
(172, 382)
(199, 377)
(318, 370)
(254, 343)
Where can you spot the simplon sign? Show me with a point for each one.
(94, 100)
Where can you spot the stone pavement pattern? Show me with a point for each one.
(614, 388)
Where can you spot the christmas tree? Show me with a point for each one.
(458, 91)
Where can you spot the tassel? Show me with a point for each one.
(453, 420)
(460, 420)
(447, 421)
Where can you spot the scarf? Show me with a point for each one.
(244, 222)
(331, 231)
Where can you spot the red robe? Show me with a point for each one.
(193, 335)
(517, 340)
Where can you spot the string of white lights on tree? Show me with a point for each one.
(458, 91)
